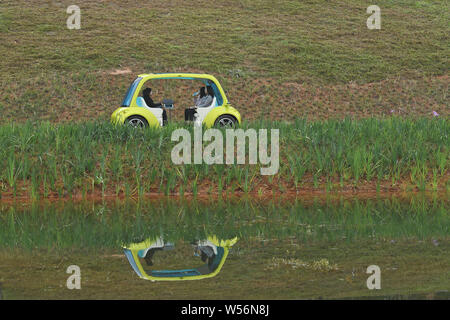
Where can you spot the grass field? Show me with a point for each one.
(363, 119)
(97, 159)
(276, 60)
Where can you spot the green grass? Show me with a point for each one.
(96, 158)
(275, 59)
(100, 226)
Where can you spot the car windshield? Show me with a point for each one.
(127, 100)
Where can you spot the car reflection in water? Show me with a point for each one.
(212, 251)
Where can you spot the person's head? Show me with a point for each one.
(147, 91)
(202, 92)
(210, 91)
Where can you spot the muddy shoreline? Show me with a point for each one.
(261, 191)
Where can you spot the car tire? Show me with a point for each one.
(136, 122)
(226, 121)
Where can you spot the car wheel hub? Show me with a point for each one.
(136, 123)
(226, 122)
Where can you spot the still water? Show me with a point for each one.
(230, 249)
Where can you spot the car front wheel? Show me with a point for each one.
(226, 121)
(137, 122)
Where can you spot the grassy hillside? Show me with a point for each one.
(276, 60)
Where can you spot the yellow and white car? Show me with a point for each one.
(212, 251)
(136, 113)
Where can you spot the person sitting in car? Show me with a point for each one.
(208, 99)
(146, 93)
(201, 94)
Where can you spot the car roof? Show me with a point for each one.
(181, 75)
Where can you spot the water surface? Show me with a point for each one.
(286, 249)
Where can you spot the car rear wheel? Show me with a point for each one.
(226, 121)
(137, 122)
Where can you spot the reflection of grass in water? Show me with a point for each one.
(99, 226)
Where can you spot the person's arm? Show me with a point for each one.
(154, 105)
(205, 103)
(198, 101)
(150, 103)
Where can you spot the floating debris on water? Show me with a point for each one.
(318, 265)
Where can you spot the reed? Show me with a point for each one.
(329, 154)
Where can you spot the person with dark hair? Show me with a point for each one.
(149, 256)
(208, 99)
(200, 96)
(146, 93)
(210, 91)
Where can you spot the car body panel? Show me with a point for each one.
(123, 113)
(216, 112)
